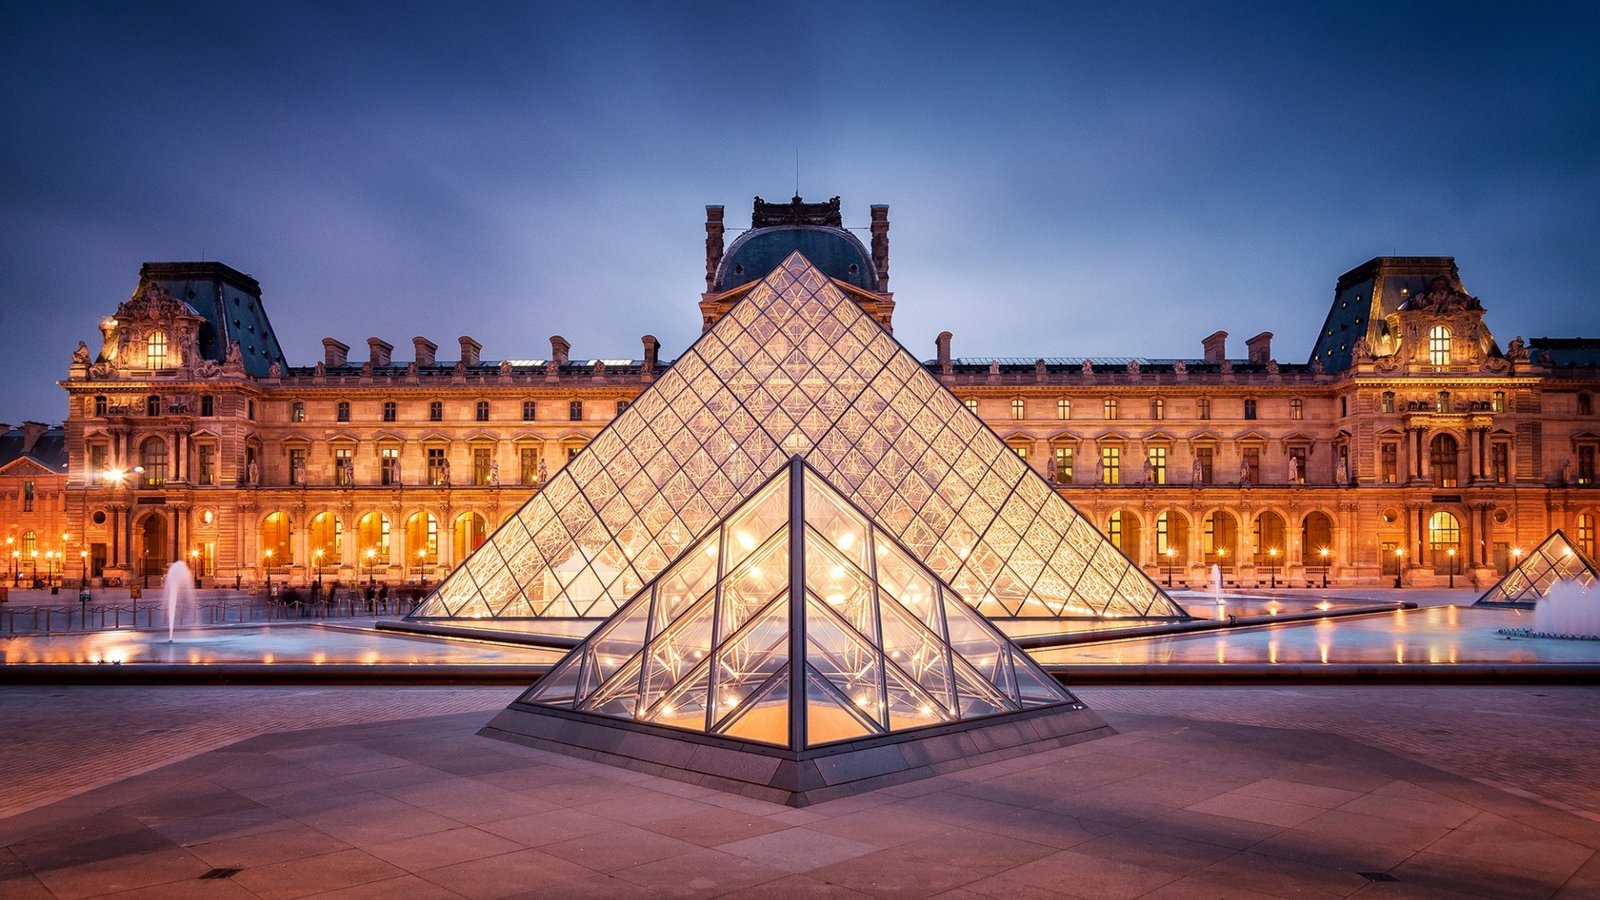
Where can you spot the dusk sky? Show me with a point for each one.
(1064, 179)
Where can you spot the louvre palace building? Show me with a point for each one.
(1409, 442)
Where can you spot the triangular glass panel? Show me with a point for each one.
(1557, 559)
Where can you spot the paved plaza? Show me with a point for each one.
(1205, 792)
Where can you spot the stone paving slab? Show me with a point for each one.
(1172, 806)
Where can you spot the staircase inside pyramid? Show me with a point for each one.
(797, 621)
(796, 368)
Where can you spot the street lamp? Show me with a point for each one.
(194, 565)
(317, 555)
(422, 556)
(49, 569)
(1399, 564)
(10, 542)
(372, 566)
(83, 569)
(269, 574)
(1324, 554)
(1272, 567)
(1171, 561)
(1452, 554)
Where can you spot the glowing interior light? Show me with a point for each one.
(861, 699)
(711, 549)
(925, 710)
(835, 599)
(963, 552)
(845, 540)
(666, 710)
(745, 540)
(836, 572)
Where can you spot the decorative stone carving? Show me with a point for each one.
(103, 370)
(1362, 351)
(994, 367)
(320, 370)
(1517, 350)
(207, 368)
(1180, 368)
(233, 363)
(1133, 367)
(505, 368)
(1087, 367)
(1316, 366)
(274, 371)
(494, 473)
(1272, 368)
(80, 356)
(1442, 297)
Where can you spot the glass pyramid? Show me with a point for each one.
(1557, 559)
(796, 368)
(797, 622)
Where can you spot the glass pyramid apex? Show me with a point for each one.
(1556, 559)
(796, 368)
(797, 622)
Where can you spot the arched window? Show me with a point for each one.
(422, 540)
(30, 543)
(1269, 534)
(372, 534)
(155, 351)
(1172, 538)
(1219, 538)
(153, 459)
(1444, 535)
(327, 540)
(276, 547)
(1123, 531)
(1443, 456)
(1439, 346)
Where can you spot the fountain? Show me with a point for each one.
(1216, 581)
(180, 590)
(1568, 610)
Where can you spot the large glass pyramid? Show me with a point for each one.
(797, 623)
(1555, 560)
(796, 368)
(795, 653)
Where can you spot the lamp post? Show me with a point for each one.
(317, 556)
(1399, 564)
(1272, 567)
(422, 556)
(1324, 554)
(372, 566)
(49, 568)
(1171, 557)
(33, 573)
(12, 552)
(83, 570)
(194, 566)
(269, 574)
(1452, 554)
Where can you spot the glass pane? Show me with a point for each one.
(846, 659)
(830, 717)
(766, 717)
(747, 659)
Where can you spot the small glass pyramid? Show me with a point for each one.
(1555, 560)
(797, 622)
(796, 368)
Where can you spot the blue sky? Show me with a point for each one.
(1064, 179)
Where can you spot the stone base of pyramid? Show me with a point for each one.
(796, 778)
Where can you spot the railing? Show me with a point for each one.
(104, 617)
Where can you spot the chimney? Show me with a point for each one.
(1215, 347)
(880, 244)
(1260, 347)
(943, 343)
(713, 244)
(469, 350)
(559, 348)
(334, 353)
(31, 432)
(427, 351)
(652, 349)
(380, 350)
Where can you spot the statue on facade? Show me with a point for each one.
(253, 473)
(1344, 471)
(994, 367)
(320, 369)
(234, 360)
(1362, 351)
(274, 371)
(1316, 365)
(1149, 471)
(1244, 471)
(505, 367)
(543, 473)
(300, 472)
(1294, 470)
(80, 356)
(494, 473)
(444, 472)
(1100, 470)
(1272, 367)
(1568, 473)
(1180, 368)
(1227, 367)
(1050, 470)
(1197, 472)
(1133, 367)
(1087, 367)
(1517, 350)
(190, 348)
(347, 469)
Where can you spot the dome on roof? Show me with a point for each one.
(834, 251)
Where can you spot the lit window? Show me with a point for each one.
(1202, 408)
(1297, 408)
(528, 465)
(1586, 534)
(1114, 530)
(435, 411)
(482, 457)
(1444, 535)
(389, 410)
(390, 472)
(1018, 408)
(575, 411)
(1021, 450)
(530, 412)
(971, 405)
(1109, 408)
(297, 411)
(1388, 402)
(1111, 464)
(1063, 408)
(155, 351)
(1158, 465)
(482, 411)
(1439, 346)
(344, 466)
(1497, 402)
(1158, 409)
(436, 466)
(1063, 458)
(100, 404)
(1249, 408)
(343, 413)
(297, 466)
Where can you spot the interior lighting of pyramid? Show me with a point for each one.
(796, 368)
(1556, 559)
(797, 622)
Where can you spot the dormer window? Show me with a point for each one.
(1439, 346)
(155, 351)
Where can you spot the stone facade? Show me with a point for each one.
(185, 444)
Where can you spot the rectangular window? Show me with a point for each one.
(1063, 408)
(1207, 457)
(27, 496)
(152, 405)
(1298, 466)
(971, 405)
(435, 411)
(1158, 409)
(575, 411)
(1158, 465)
(1202, 408)
(1586, 464)
(482, 412)
(1111, 465)
(528, 465)
(622, 407)
(250, 410)
(344, 466)
(1249, 408)
(481, 459)
(97, 463)
(436, 466)
(297, 466)
(1019, 408)
(100, 404)
(1109, 408)
(343, 414)
(1389, 463)
(1252, 462)
(1388, 402)
(1063, 458)
(389, 410)
(390, 472)
(1497, 402)
(530, 411)
(155, 356)
(297, 411)
(1500, 462)
(1297, 409)
(208, 405)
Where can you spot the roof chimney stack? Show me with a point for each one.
(943, 343)
(1215, 347)
(334, 353)
(469, 350)
(713, 243)
(427, 351)
(652, 350)
(31, 432)
(559, 348)
(380, 350)
(880, 244)
(1260, 347)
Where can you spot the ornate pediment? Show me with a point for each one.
(1442, 297)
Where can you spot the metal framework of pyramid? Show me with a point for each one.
(796, 368)
(802, 653)
(1555, 560)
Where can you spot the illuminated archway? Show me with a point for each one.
(467, 532)
(326, 539)
(1444, 536)
(275, 536)
(1219, 539)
